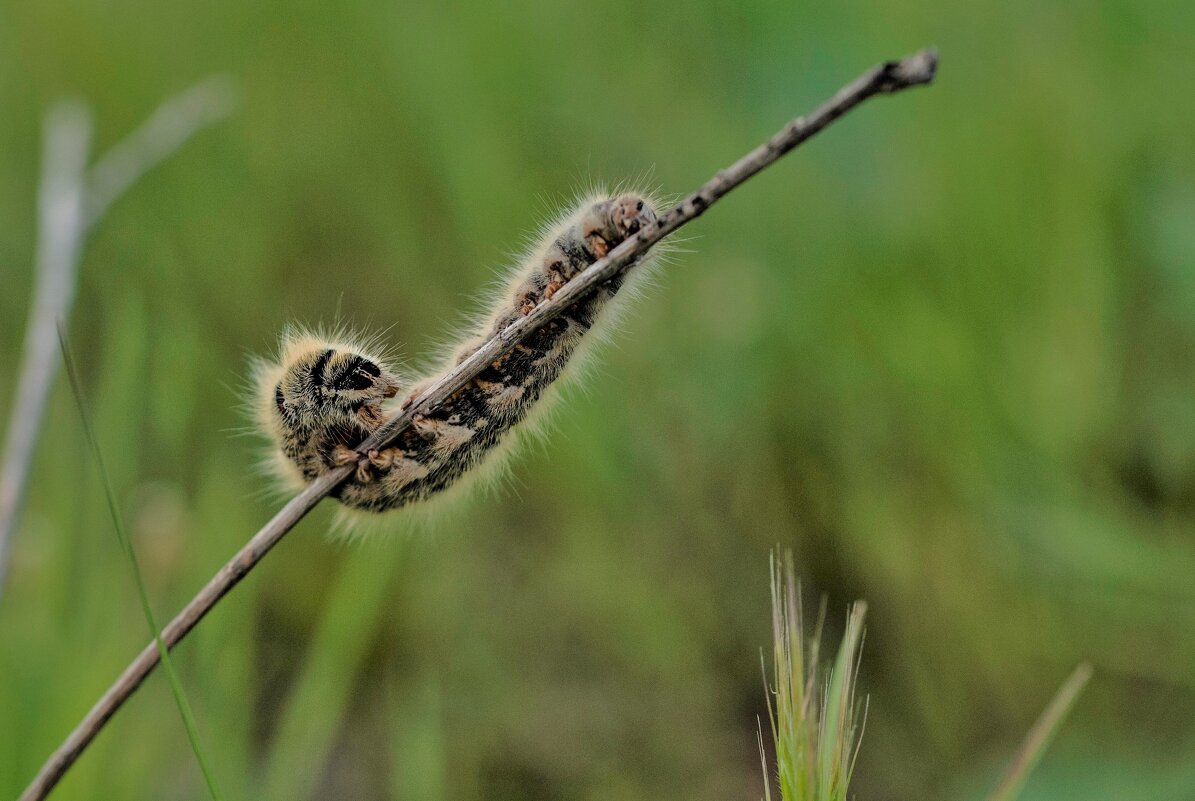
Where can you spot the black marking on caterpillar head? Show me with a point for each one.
(357, 373)
(357, 381)
(317, 369)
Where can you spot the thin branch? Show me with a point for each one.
(1039, 737)
(71, 200)
(887, 78)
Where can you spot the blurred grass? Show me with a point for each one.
(941, 354)
(126, 545)
(1041, 735)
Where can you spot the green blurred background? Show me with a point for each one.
(938, 353)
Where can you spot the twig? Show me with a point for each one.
(1039, 737)
(71, 200)
(887, 78)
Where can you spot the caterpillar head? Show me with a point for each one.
(324, 384)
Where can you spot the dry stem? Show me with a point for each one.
(887, 78)
(71, 200)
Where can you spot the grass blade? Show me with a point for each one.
(1039, 737)
(840, 727)
(126, 544)
(816, 724)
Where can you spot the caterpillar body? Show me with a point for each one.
(324, 395)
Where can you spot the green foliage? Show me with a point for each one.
(816, 722)
(126, 545)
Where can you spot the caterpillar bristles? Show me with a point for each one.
(326, 393)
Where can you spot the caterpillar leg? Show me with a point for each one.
(384, 459)
(343, 455)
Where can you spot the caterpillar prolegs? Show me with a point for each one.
(324, 395)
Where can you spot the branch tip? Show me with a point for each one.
(915, 70)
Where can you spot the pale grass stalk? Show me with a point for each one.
(71, 201)
(1041, 735)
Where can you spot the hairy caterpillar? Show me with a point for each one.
(324, 395)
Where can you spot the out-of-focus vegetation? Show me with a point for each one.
(943, 353)
(126, 545)
(814, 713)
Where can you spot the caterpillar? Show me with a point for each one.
(323, 395)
